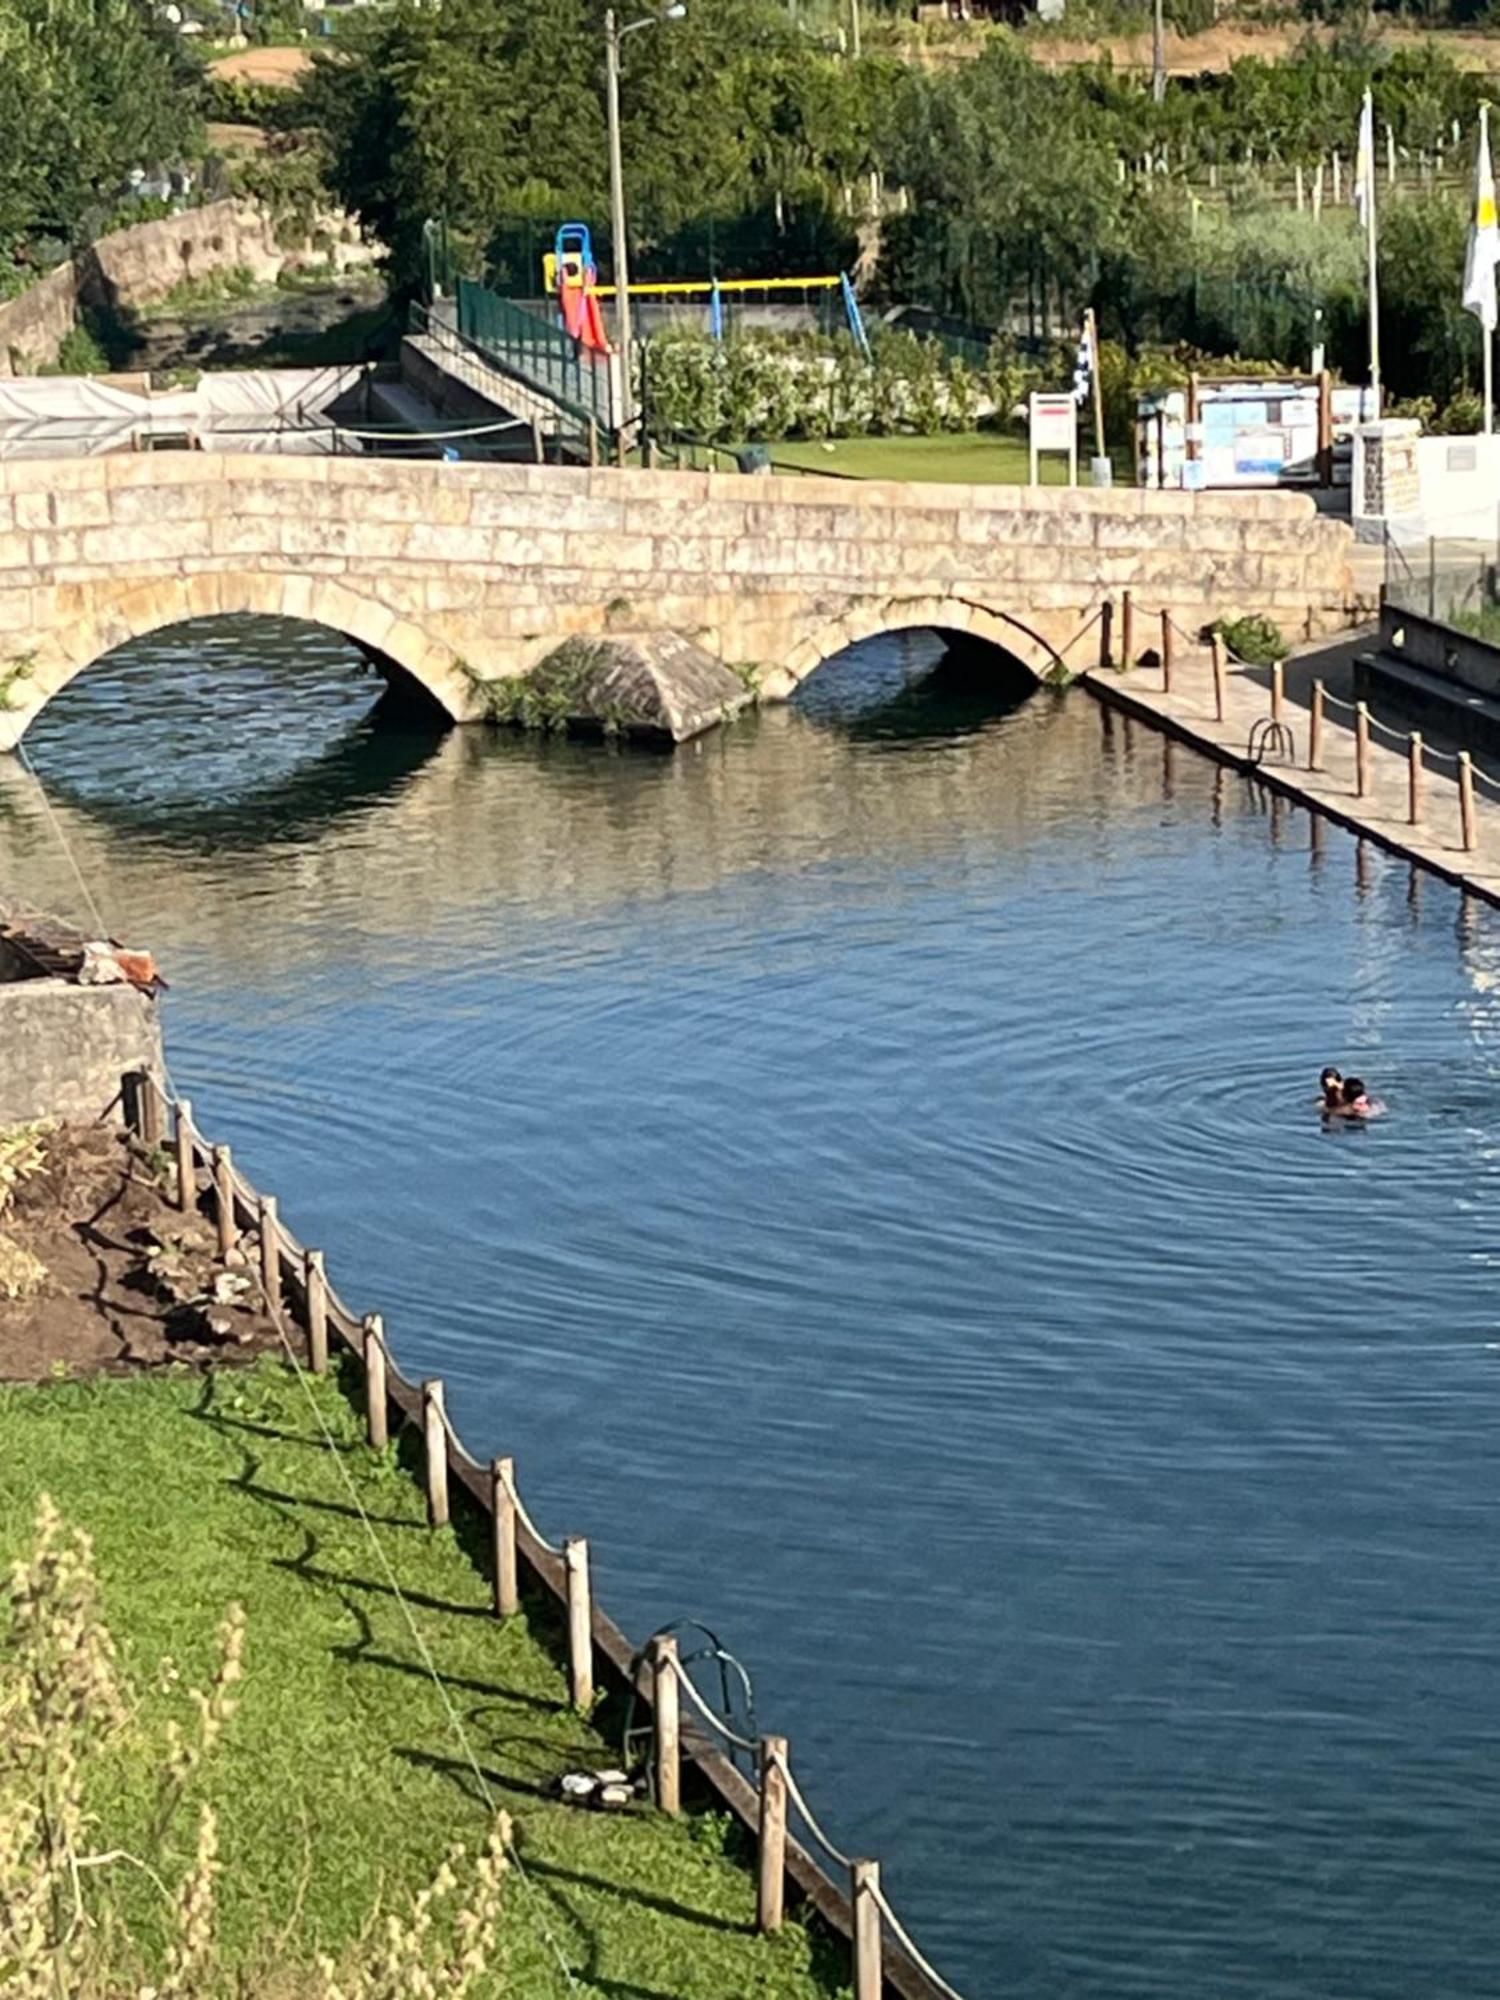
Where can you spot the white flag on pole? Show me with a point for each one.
(1362, 191)
(1484, 236)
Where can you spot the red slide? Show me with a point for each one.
(591, 332)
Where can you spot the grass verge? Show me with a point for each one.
(341, 1779)
(966, 458)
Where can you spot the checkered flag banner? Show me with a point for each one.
(1083, 368)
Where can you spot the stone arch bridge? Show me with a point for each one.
(455, 576)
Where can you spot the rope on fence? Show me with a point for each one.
(476, 1464)
(527, 1523)
(903, 1938)
(713, 1721)
(794, 1793)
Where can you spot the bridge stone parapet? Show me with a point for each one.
(460, 576)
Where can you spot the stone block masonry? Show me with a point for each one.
(463, 575)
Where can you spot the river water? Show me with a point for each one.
(864, 1167)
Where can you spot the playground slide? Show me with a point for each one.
(592, 332)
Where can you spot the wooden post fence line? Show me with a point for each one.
(435, 1450)
(1361, 749)
(1315, 729)
(1127, 632)
(270, 1253)
(187, 1168)
(376, 1395)
(1166, 652)
(580, 1624)
(286, 1267)
(503, 1504)
(1278, 688)
(667, 1703)
(1466, 799)
(769, 1905)
(868, 1975)
(315, 1294)
(1217, 650)
(1414, 778)
(224, 1219)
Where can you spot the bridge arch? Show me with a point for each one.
(105, 618)
(962, 615)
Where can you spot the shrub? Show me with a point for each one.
(1255, 640)
(79, 353)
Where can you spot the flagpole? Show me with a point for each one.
(1370, 257)
(1487, 333)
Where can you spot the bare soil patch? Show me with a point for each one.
(129, 1281)
(1219, 48)
(284, 66)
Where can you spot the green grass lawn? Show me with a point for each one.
(341, 1780)
(970, 458)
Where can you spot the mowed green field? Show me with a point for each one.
(342, 1779)
(970, 458)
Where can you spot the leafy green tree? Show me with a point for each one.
(89, 89)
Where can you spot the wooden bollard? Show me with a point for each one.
(869, 1976)
(187, 1172)
(771, 1893)
(270, 1253)
(538, 448)
(377, 1424)
(1166, 652)
(1216, 648)
(666, 1700)
(435, 1441)
(315, 1290)
(1415, 776)
(1107, 634)
(228, 1235)
(1361, 749)
(1278, 689)
(503, 1508)
(580, 1624)
(144, 1112)
(622, 449)
(1466, 799)
(593, 441)
(1315, 730)
(1127, 632)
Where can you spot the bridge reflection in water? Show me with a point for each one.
(865, 1172)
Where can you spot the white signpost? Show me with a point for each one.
(1054, 427)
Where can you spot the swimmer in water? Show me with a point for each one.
(1331, 1089)
(1356, 1100)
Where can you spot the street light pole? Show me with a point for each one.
(617, 215)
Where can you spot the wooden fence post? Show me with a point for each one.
(228, 1235)
(593, 441)
(187, 1173)
(1127, 632)
(1414, 778)
(1315, 729)
(868, 1976)
(270, 1253)
(315, 1286)
(580, 1624)
(1107, 632)
(771, 1894)
(666, 1700)
(503, 1508)
(1466, 799)
(435, 1443)
(538, 449)
(377, 1427)
(1361, 749)
(1278, 689)
(143, 1112)
(1216, 647)
(1166, 652)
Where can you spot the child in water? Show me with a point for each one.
(1346, 1097)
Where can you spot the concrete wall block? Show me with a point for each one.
(1152, 531)
(67, 1047)
(432, 542)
